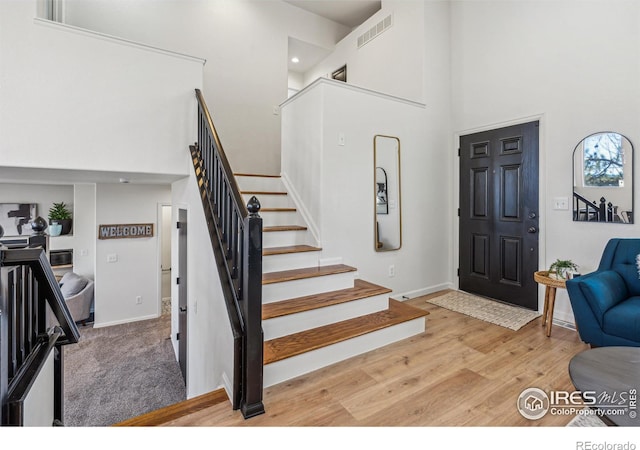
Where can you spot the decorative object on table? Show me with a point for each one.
(39, 225)
(55, 229)
(605, 302)
(562, 269)
(61, 214)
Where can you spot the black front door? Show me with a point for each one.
(182, 292)
(499, 214)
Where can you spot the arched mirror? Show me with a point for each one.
(386, 190)
(603, 179)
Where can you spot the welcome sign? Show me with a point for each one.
(125, 231)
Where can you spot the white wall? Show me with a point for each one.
(245, 44)
(75, 100)
(210, 341)
(336, 182)
(136, 271)
(575, 65)
(392, 62)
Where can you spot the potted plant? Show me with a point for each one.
(59, 213)
(562, 267)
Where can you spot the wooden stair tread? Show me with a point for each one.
(307, 272)
(278, 210)
(283, 228)
(289, 249)
(305, 341)
(263, 193)
(177, 410)
(361, 289)
(260, 175)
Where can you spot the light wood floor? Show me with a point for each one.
(460, 372)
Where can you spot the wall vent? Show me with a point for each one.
(375, 30)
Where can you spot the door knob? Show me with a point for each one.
(532, 230)
(532, 215)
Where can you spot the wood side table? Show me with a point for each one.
(542, 277)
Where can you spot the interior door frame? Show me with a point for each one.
(542, 194)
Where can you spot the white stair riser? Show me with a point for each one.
(259, 183)
(273, 218)
(288, 261)
(295, 323)
(286, 369)
(270, 201)
(299, 288)
(285, 238)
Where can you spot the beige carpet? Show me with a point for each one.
(493, 311)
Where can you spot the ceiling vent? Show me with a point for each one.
(375, 30)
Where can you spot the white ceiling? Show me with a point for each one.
(349, 13)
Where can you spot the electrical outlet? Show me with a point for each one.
(392, 271)
(340, 138)
(112, 258)
(138, 300)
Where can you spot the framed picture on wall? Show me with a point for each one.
(16, 218)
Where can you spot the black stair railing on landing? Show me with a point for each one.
(28, 333)
(236, 237)
(588, 211)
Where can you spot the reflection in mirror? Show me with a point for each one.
(386, 190)
(603, 179)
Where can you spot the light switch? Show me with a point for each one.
(561, 203)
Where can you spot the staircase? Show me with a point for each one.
(315, 315)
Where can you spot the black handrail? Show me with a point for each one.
(28, 334)
(236, 238)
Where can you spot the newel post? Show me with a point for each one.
(252, 379)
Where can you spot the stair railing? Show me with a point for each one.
(30, 332)
(236, 237)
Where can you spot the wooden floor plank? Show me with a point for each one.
(307, 272)
(445, 357)
(289, 249)
(308, 340)
(361, 289)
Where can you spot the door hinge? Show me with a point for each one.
(458, 151)
(178, 225)
(458, 271)
(178, 280)
(458, 212)
(177, 336)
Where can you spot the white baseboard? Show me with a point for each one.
(227, 386)
(420, 292)
(120, 322)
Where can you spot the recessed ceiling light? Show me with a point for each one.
(295, 60)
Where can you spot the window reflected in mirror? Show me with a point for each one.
(603, 179)
(386, 190)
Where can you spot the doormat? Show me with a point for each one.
(492, 311)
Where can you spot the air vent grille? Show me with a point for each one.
(375, 30)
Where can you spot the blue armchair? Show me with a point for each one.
(606, 303)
